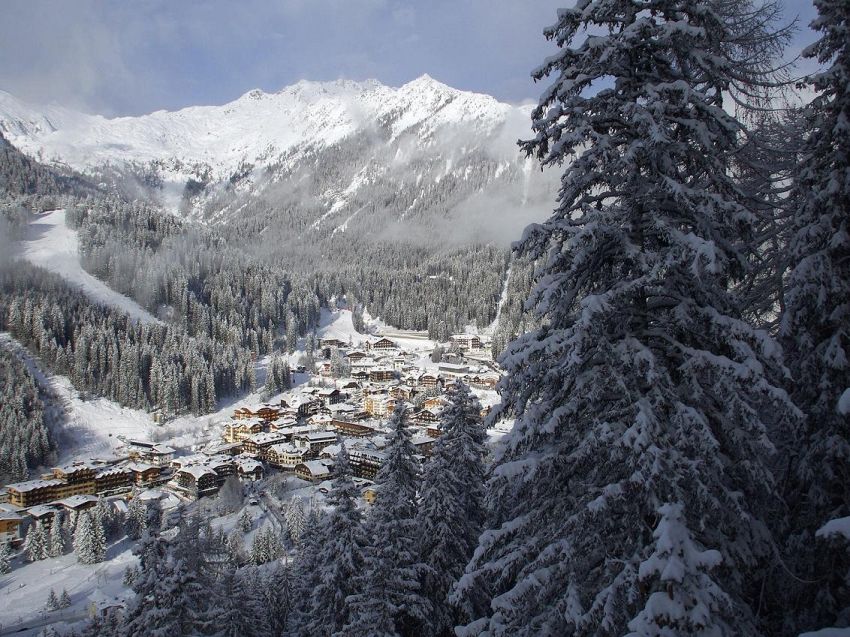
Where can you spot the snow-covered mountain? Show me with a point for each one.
(338, 144)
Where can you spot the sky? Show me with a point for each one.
(127, 58)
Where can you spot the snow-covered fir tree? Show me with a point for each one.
(451, 505)
(389, 600)
(340, 557)
(58, 539)
(134, 522)
(239, 610)
(64, 599)
(276, 589)
(644, 387)
(816, 332)
(5, 558)
(89, 539)
(36, 543)
(266, 547)
(305, 573)
(52, 601)
(278, 377)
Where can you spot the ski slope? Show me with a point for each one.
(51, 244)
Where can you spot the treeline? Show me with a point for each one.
(146, 366)
(25, 440)
(20, 175)
(191, 276)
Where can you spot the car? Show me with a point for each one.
(253, 502)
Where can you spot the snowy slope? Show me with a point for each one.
(51, 244)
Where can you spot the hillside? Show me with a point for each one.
(316, 159)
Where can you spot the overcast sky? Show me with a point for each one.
(117, 57)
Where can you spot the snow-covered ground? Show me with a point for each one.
(51, 244)
(24, 591)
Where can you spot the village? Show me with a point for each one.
(296, 435)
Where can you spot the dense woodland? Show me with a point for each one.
(680, 397)
(102, 351)
(25, 439)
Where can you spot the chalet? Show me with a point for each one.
(360, 375)
(155, 454)
(144, 474)
(257, 444)
(284, 423)
(10, 527)
(341, 411)
(426, 417)
(287, 455)
(379, 404)
(243, 413)
(423, 443)
(353, 429)
(222, 465)
(403, 392)
(484, 381)
(331, 396)
(398, 362)
(434, 430)
(268, 414)
(384, 344)
(43, 512)
(355, 356)
(249, 469)
(197, 480)
(431, 381)
(434, 402)
(381, 374)
(33, 492)
(466, 341)
(113, 480)
(315, 441)
(308, 406)
(239, 431)
(314, 470)
(365, 463)
(332, 343)
(349, 385)
(78, 503)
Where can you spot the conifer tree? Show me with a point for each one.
(815, 329)
(389, 600)
(451, 509)
(65, 599)
(643, 387)
(36, 543)
(305, 573)
(5, 558)
(89, 539)
(52, 601)
(58, 540)
(340, 557)
(276, 590)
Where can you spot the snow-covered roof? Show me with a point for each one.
(140, 467)
(75, 501)
(266, 437)
(197, 471)
(31, 485)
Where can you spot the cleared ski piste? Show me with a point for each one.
(52, 245)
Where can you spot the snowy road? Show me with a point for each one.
(51, 244)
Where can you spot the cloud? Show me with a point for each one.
(136, 57)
